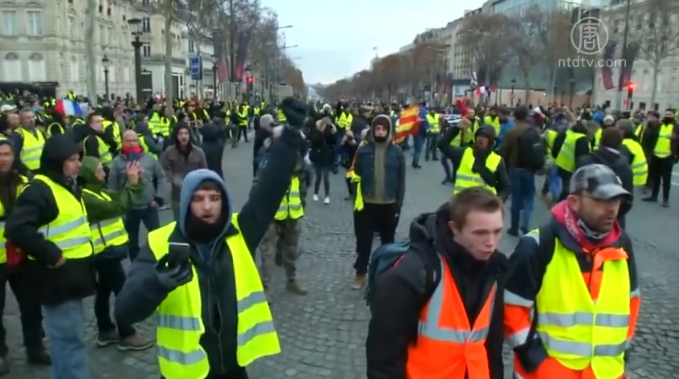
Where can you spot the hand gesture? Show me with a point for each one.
(133, 172)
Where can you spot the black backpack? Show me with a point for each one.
(531, 150)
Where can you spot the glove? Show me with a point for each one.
(172, 277)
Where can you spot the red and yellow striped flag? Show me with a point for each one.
(408, 124)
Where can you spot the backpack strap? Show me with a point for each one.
(546, 243)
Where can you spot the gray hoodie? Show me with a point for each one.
(152, 176)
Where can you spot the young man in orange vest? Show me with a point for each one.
(436, 311)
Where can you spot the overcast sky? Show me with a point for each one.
(336, 39)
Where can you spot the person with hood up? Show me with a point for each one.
(207, 255)
(145, 207)
(214, 138)
(11, 185)
(380, 173)
(613, 154)
(146, 139)
(572, 298)
(49, 224)
(477, 165)
(109, 238)
(180, 159)
(438, 312)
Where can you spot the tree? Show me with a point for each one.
(200, 19)
(90, 56)
(486, 38)
(169, 11)
(525, 36)
(389, 73)
(265, 45)
(556, 44)
(658, 40)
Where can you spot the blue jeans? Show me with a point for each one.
(523, 195)
(418, 143)
(65, 324)
(133, 219)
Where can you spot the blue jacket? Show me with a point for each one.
(504, 128)
(425, 124)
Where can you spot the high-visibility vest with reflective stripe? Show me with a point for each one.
(495, 123)
(109, 232)
(447, 345)
(3, 241)
(145, 146)
(291, 205)
(49, 127)
(32, 148)
(116, 131)
(566, 157)
(639, 131)
(344, 120)
(102, 149)
(281, 116)
(576, 330)
(597, 138)
(639, 164)
(163, 126)
(243, 117)
(467, 178)
(663, 147)
(550, 136)
(180, 322)
(70, 231)
(433, 124)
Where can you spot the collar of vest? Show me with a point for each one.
(179, 237)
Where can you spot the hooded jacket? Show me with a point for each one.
(143, 293)
(37, 206)
(177, 162)
(394, 322)
(500, 178)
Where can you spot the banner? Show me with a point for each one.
(218, 43)
(242, 52)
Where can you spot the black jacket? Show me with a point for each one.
(322, 144)
(619, 162)
(35, 207)
(142, 292)
(394, 322)
(213, 146)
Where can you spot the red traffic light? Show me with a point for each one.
(250, 79)
(630, 85)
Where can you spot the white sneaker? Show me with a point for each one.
(315, 197)
(327, 200)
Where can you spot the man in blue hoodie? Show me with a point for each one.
(199, 272)
(418, 140)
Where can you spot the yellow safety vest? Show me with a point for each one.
(180, 321)
(70, 230)
(281, 116)
(163, 126)
(550, 137)
(145, 146)
(243, 117)
(433, 123)
(154, 123)
(663, 147)
(344, 121)
(32, 148)
(116, 132)
(597, 138)
(566, 158)
(494, 123)
(471, 130)
(49, 127)
(467, 178)
(102, 149)
(574, 329)
(639, 165)
(639, 132)
(3, 241)
(109, 232)
(291, 205)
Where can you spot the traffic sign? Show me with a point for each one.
(196, 67)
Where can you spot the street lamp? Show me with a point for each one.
(136, 30)
(105, 62)
(214, 76)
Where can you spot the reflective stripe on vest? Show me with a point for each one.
(105, 233)
(291, 205)
(70, 231)
(576, 330)
(446, 342)
(566, 157)
(31, 149)
(467, 178)
(663, 147)
(180, 324)
(281, 116)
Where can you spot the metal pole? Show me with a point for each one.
(625, 36)
(106, 84)
(232, 40)
(137, 68)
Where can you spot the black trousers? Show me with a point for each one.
(373, 218)
(660, 169)
(30, 310)
(238, 373)
(242, 132)
(111, 281)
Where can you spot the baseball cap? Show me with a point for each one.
(7, 108)
(599, 181)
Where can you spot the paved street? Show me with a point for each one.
(323, 333)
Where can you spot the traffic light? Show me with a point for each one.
(250, 80)
(630, 89)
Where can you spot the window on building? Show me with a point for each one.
(102, 35)
(111, 37)
(146, 25)
(34, 19)
(12, 67)
(192, 47)
(75, 70)
(36, 68)
(70, 24)
(146, 3)
(9, 23)
(146, 49)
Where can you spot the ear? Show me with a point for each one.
(453, 228)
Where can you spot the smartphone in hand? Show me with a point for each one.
(178, 254)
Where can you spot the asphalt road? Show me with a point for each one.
(323, 333)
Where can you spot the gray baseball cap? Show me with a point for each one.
(599, 181)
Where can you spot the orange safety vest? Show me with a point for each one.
(447, 346)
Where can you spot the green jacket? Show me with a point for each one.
(97, 209)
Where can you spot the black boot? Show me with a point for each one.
(39, 357)
(4, 366)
